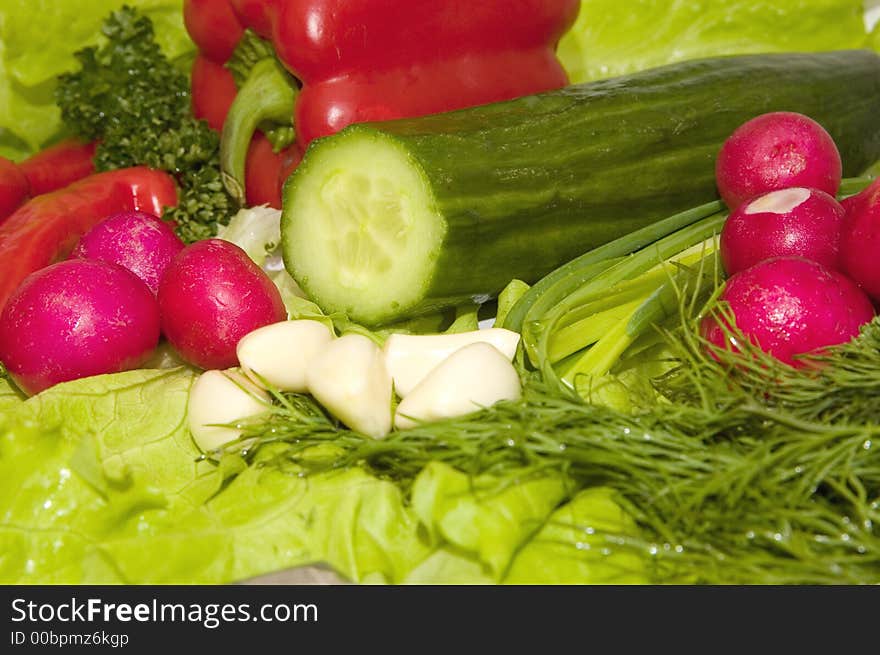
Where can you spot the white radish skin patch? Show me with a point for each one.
(472, 378)
(410, 358)
(219, 398)
(779, 202)
(280, 354)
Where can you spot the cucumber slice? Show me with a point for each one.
(362, 231)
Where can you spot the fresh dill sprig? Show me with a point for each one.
(832, 387)
(136, 102)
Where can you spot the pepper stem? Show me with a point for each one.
(268, 95)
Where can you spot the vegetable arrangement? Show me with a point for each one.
(676, 389)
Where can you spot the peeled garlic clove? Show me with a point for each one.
(350, 379)
(281, 353)
(218, 398)
(411, 357)
(472, 378)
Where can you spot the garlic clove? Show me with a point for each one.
(350, 379)
(219, 398)
(280, 354)
(412, 357)
(472, 378)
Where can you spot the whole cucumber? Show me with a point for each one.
(390, 220)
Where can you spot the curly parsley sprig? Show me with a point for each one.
(132, 98)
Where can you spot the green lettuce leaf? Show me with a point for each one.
(10, 398)
(484, 517)
(448, 567)
(100, 483)
(514, 531)
(37, 42)
(578, 544)
(119, 494)
(85, 457)
(256, 230)
(614, 38)
(133, 423)
(268, 519)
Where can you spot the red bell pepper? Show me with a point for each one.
(290, 160)
(275, 94)
(213, 91)
(57, 166)
(46, 228)
(373, 60)
(257, 15)
(266, 171)
(13, 187)
(48, 170)
(213, 26)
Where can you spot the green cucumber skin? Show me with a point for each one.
(529, 184)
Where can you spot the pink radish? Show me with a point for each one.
(790, 306)
(140, 242)
(777, 151)
(860, 241)
(75, 319)
(792, 222)
(212, 295)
